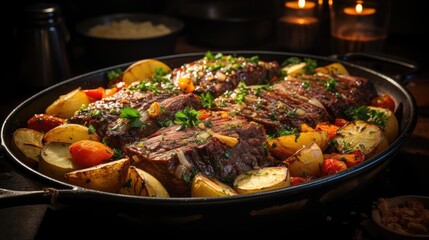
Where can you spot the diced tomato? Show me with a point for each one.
(384, 101)
(88, 153)
(95, 94)
(331, 166)
(350, 159)
(340, 122)
(44, 122)
(299, 180)
(204, 114)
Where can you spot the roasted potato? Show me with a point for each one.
(107, 177)
(285, 146)
(69, 133)
(263, 179)
(392, 127)
(333, 68)
(55, 160)
(306, 161)
(141, 183)
(29, 143)
(295, 68)
(204, 186)
(66, 105)
(361, 135)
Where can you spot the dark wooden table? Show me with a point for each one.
(407, 174)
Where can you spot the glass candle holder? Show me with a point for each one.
(297, 28)
(359, 26)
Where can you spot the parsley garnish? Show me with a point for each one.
(187, 118)
(207, 99)
(291, 61)
(133, 115)
(367, 114)
(114, 74)
(242, 91)
(310, 66)
(331, 84)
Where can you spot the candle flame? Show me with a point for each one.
(359, 8)
(301, 3)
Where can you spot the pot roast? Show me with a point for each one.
(257, 99)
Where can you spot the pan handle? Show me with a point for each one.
(13, 198)
(410, 68)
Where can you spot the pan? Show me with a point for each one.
(298, 199)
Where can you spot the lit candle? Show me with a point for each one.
(358, 10)
(298, 27)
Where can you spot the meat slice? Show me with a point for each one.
(220, 73)
(105, 115)
(336, 93)
(275, 110)
(174, 156)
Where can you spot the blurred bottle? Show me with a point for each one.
(42, 38)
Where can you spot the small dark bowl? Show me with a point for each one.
(112, 51)
(391, 234)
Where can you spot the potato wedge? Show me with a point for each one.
(392, 126)
(29, 143)
(263, 179)
(333, 68)
(66, 105)
(204, 186)
(55, 160)
(361, 135)
(285, 146)
(69, 133)
(107, 177)
(306, 161)
(295, 68)
(141, 183)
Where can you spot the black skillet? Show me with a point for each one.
(314, 194)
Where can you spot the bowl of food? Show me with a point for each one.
(123, 37)
(402, 217)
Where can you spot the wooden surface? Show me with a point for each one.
(405, 175)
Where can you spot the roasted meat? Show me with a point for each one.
(220, 73)
(336, 93)
(116, 130)
(275, 110)
(173, 156)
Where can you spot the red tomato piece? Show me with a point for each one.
(44, 122)
(384, 101)
(331, 166)
(88, 153)
(95, 94)
(340, 122)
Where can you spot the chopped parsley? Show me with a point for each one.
(367, 114)
(310, 66)
(242, 91)
(207, 99)
(114, 74)
(187, 118)
(133, 115)
(331, 84)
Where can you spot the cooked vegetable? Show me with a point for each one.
(204, 186)
(56, 161)
(360, 135)
(284, 146)
(107, 177)
(333, 68)
(29, 142)
(143, 70)
(88, 153)
(331, 166)
(141, 183)
(66, 105)
(306, 161)
(44, 122)
(69, 133)
(384, 101)
(391, 127)
(263, 179)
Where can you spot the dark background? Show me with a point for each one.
(407, 30)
